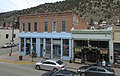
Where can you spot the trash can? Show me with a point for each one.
(70, 61)
(20, 57)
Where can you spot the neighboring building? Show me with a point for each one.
(48, 34)
(6, 36)
(116, 41)
(93, 44)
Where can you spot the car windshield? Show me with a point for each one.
(84, 67)
(109, 69)
(59, 62)
(7, 43)
(65, 73)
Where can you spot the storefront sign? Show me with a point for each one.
(77, 50)
(103, 51)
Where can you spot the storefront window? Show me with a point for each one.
(56, 47)
(116, 53)
(22, 44)
(48, 46)
(34, 44)
(80, 43)
(77, 53)
(65, 47)
(28, 45)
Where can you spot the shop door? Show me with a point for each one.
(91, 56)
(41, 50)
(56, 50)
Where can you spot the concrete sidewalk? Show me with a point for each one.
(14, 59)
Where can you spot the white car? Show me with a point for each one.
(54, 65)
(6, 45)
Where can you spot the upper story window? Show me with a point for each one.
(35, 26)
(54, 25)
(14, 35)
(63, 25)
(23, 26)
(7, 35)
(45, 26)
(29, 26)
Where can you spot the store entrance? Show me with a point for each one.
(56, 51)
(91, 55)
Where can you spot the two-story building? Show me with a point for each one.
(48, 34)
(6, 36)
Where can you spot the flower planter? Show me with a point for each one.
(20, 57)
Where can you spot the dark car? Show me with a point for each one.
(96, 71)
(61, 73)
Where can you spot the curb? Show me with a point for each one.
(19, 62)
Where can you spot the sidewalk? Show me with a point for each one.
(14, 59)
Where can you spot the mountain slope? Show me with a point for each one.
(98, 10)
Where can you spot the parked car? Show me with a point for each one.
(61, 73)
(6, 45)
(13, 45)
(96, 71)
(50, 64)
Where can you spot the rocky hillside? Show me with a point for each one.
(97, 10)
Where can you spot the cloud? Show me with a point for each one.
(9, 5)
(6, 5)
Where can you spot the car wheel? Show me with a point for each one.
(37, 67)
(82, 74)
(55, 69)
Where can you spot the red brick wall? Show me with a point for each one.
(78, 23)
(40, 18)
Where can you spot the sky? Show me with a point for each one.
(10, 5)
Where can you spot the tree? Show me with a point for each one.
(4, 24)
(91, 21)
(100, 21)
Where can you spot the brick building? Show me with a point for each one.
(48, 34)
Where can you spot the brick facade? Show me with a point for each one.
(54, 40)
(72, 20)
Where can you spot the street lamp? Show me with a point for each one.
(13, 25)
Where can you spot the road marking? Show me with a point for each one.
(19, 62)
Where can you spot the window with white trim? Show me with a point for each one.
(63, 25)
(54, 25)
(35, 26)
(45, 26)
(29, 26)
(23, 26)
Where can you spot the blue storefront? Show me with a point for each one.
(54, 45)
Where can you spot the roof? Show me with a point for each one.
(47, 13)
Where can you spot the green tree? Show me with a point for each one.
(4, 24)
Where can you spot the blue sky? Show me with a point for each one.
(10, 5)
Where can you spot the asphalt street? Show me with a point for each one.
(7, 69)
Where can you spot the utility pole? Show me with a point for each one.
(12, 41)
